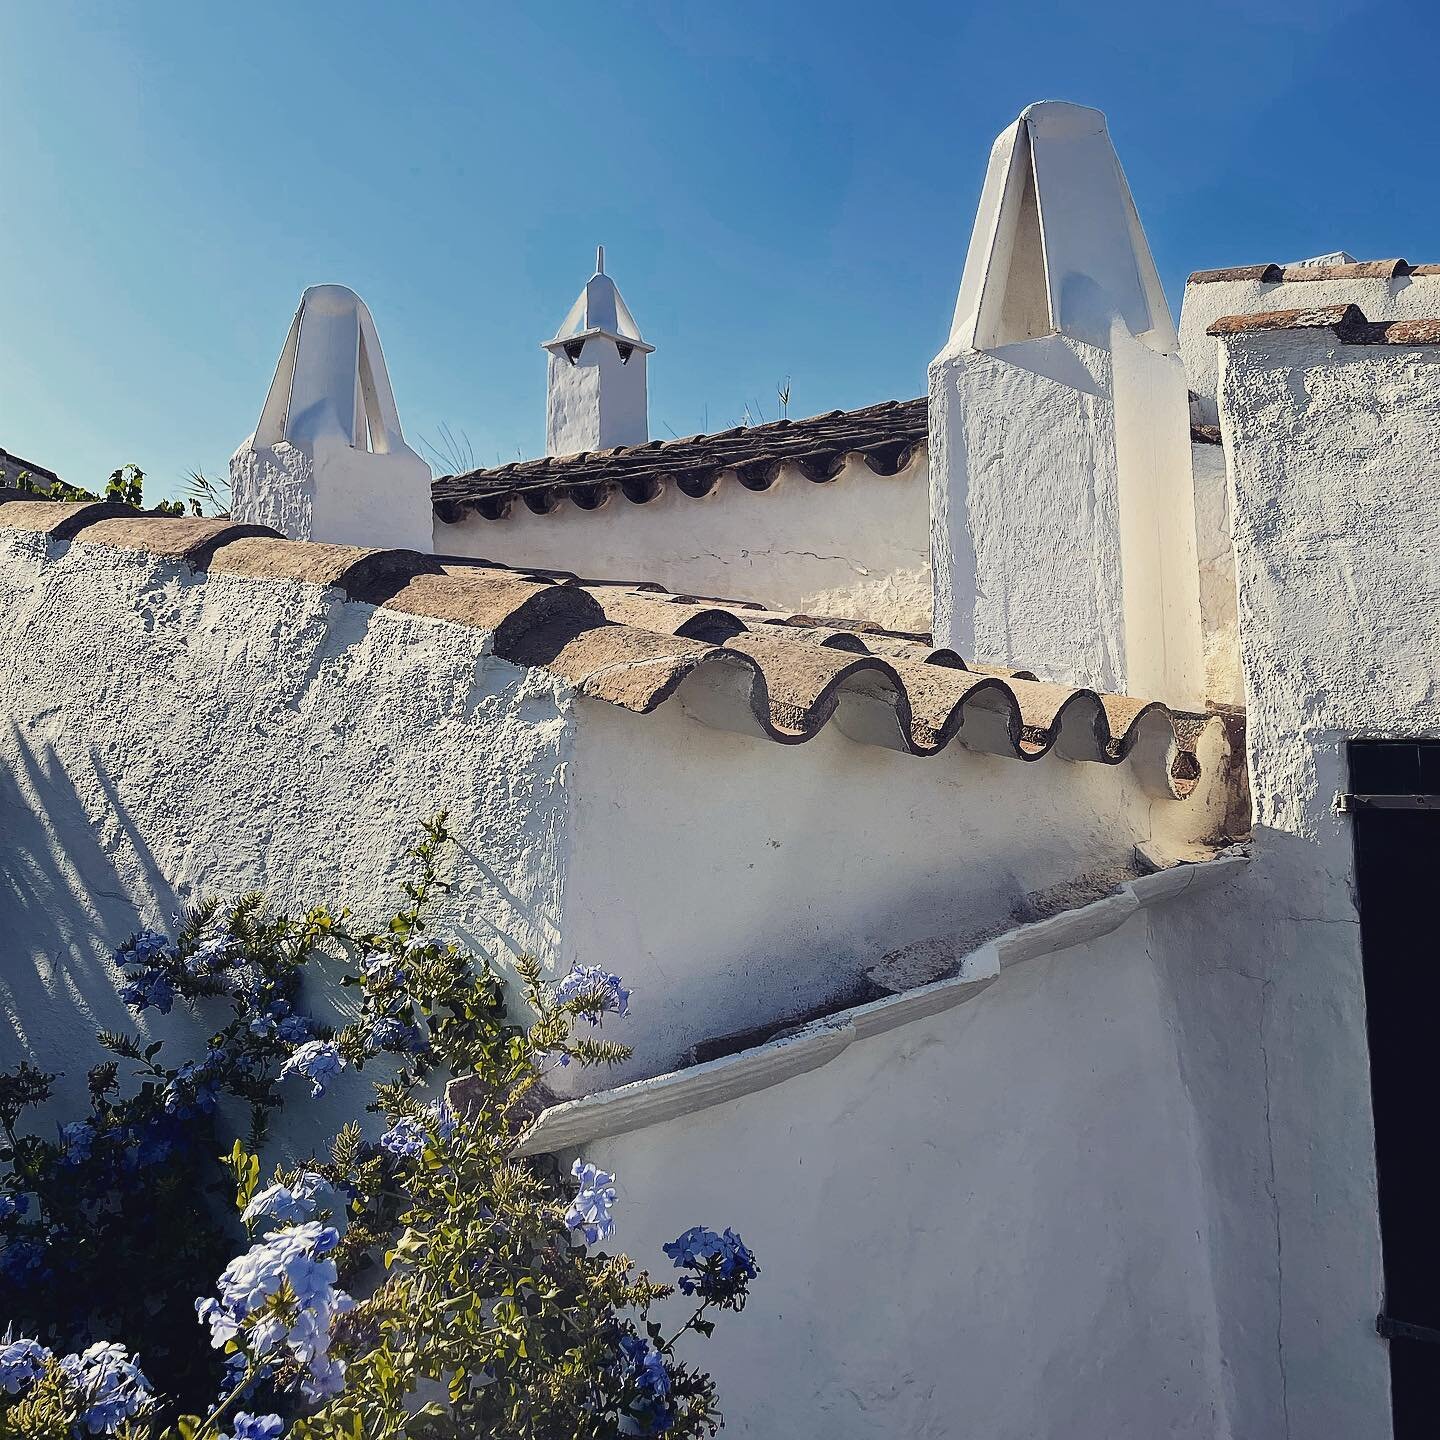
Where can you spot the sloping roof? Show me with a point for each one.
(12, 467)
(783, 677)
(885, 436)
(1275, 274)
(1348, 322)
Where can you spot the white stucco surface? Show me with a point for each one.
(1224, 683)
(735, 882)
(167, 734)
(987, 1223)
(856, 547)
(1331, 454)
(1406, 297)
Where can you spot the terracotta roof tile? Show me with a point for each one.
(1348, 322)
(785, 676)
(1275, 274)
(885, 436)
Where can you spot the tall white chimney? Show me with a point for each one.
(596, 394)
(327, 460)
(1062, 503)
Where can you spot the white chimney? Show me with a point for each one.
(1062, 505)
(327, 460)
(596, 395)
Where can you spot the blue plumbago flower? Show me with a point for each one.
(420, 942)
(11, 1205)
(645, 1368)
(288, 1204)
(22, 1362)
(257, 1427)
(295, 1258)
(589, 1211)
(112, 1387)
(586, 980)
(318, 1061)
(196, 1084)
(145, 947)
(405, 1139)
(215, 953)
(294, 1029)
(150, 987)
(323, 1378)
(388, 1033)
(76, 1138)
(724, 1263)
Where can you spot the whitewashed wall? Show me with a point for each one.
(165, 734)
(734, 881)
(986, 1224)
(1220, 625)
(1337, 542)
(172, 733)
(1406, 297)
(857, 547)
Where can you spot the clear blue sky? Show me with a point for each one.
(782, 189)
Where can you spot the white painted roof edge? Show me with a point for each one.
(642, 1103)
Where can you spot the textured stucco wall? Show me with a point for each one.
(857, 547)
(1062, 524)
(734, 881)
(1332, 456)
(1224, 684)
(987, 1223)
(1407, 297)
(165, 734)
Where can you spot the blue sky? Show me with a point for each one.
(782, 190)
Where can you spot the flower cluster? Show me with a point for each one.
(287, 1204)
(644, 1368)
(256, 1427)
(109, 1387)
(104, 1383)
(724, 1265)
(279, 1299)
(405, 1139)
(21, 1363)
(318, 1061)
(589, 1211)
(600, 991)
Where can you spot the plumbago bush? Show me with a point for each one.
(435, 1283)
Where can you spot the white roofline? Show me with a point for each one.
(643, 1103)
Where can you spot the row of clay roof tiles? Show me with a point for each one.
(633, 647)
(885, 437)
(1348, 323)
(1354, 270)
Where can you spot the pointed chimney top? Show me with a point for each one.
(600, 310)
(1057, 245)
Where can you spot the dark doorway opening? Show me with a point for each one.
(1395, 802)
